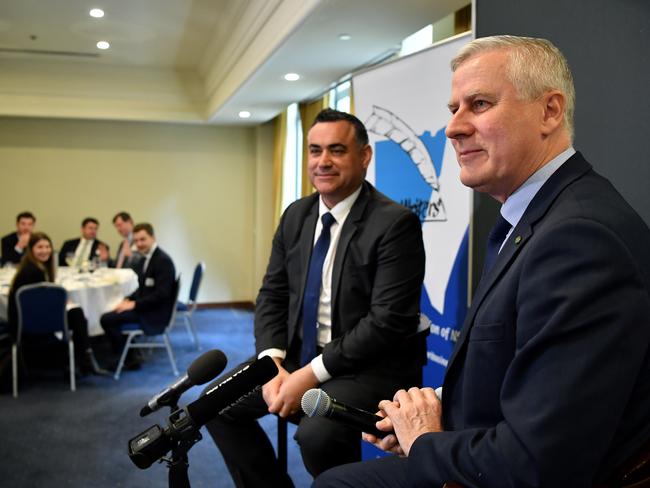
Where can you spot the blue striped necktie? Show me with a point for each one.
(311, 299)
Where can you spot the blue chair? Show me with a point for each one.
(42, 311)
(137, 339)
(187, 309)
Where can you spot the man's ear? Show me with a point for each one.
(367, 155)
(554, 107)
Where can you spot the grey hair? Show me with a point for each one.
(535, 66)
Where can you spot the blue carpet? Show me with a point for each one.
(52, 437)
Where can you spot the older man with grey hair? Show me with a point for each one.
(549, 381)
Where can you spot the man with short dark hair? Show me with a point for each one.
(13, 245)
(338, 309)
(151, 305)
(76, 252)
(548, 385)
(127, 254)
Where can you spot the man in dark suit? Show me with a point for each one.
(75, 252)
(14, 244)
(127, 255)
(356, 334)
(549, 381)
(151, 305)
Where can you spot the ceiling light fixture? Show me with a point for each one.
(98, 13)
(103, 45)
(292, 77)
(345, 37)
(244, 114)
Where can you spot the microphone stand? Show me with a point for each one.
(179, 464)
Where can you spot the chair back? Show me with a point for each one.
(42, 309)
(196, 281)
(175, 291)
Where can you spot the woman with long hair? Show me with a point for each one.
(36, 266)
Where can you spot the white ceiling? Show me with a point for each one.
(197, 61)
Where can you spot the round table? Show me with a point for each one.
(96, 293)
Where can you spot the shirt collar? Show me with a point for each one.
(341, 210)
(151, 251)
(516, 204)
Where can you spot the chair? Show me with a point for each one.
(134, 333)
(42, 311)
(187, 309)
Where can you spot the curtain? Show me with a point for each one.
(308, 112)
(279, 137)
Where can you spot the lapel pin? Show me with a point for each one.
(517, 239)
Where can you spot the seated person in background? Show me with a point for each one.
(84, 248)
(14, 244)
(151, 305)
(127, 254)
(358, 258)
(37, 266)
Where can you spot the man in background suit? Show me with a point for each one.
(549, 381)
(151, 305)
(13, 245)
(84, 248)
(127, 255)
(365, 308)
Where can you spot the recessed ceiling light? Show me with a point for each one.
(103, 45)
(292, 77)
(97, 13)
(345, 37)
(244, 114)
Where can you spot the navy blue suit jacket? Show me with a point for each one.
(549, 382)
(155, 297)
(9, 253)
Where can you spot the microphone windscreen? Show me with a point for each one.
(315, 402)
(207, 366)
(231, 390)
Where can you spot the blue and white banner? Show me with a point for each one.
(404, 106)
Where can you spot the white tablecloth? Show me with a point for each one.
(95, 293)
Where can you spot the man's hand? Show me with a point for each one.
(103, 252)
(271, 388)
(293, 387)
(388, 443)
(411, 413)
(124, 305)
(23, 240)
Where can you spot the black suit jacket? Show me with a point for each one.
(70, 246)
(376, 283)
(9, 253)
(155, 297)
(549, 382)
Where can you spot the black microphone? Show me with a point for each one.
(203, 369)
(317, 403)
(231, 390)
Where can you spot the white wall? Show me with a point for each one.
(202, 187)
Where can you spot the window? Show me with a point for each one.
(340, 97)
(292, 164)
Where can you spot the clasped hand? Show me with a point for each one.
(410, 414)
(283, 393)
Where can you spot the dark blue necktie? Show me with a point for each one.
(312, 291)
(495, 239)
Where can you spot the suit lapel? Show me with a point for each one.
(350, 227)
(306, 243)
(572, 169)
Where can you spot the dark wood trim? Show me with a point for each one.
(213, 305)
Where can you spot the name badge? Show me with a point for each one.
(149, 282)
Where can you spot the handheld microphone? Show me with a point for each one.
(317, 403)
(203, 369)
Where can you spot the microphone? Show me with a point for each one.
(231, 390)
(203, 369)
(317, 403)
(184, 424)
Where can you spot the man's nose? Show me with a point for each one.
(459, 125)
